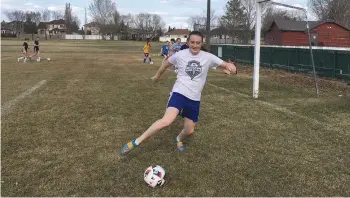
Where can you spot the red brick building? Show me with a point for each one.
(294, 33)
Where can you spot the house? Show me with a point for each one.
(92, 28)
(52, 28)
(174, 34)
(294, 33)
(220, 35)
(139, 34)
(7, 31)
(14, 27)
(220, 32)
(223, 35)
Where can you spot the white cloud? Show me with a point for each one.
(164, 1)
(179, 18)
(160, 13)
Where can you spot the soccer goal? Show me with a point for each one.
(259, 4)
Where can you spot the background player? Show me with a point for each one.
(146, 52)
(24, 51)
(36, 49)
(176, 46)
(185, 46)
(164, 51)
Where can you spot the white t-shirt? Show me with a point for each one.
(175, 48)
(192, 72)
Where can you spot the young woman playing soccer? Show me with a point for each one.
(164, 50)
(24, 51)
(36, 49)
(185, 46)
(146, 52)
(193, 65)
(176, 46)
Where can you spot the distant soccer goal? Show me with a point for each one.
(259, 5)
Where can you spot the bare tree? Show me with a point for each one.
(157, 25)
(148, 24)
(35, 17)
(31, 22)
(196, 19)
(337, 10)
(76, 22)
(140, 21)
(320, 8)
(126, 25)
(57, 14)
(45, 15)
(249, 9)
(201, 20)
(17, 17)
(273, 13)
(128, 20)
(104, 13)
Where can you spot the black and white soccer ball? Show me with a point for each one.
(154, 176)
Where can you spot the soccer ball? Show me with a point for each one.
(154, 176)
(151, 63)
(38, 60)
(48, 59)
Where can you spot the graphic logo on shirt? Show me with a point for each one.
(193, 68)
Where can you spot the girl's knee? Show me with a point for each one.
(164, 122)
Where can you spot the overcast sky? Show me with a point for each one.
(175, 13)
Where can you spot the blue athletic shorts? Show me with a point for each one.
(188, 108)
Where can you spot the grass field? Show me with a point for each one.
(64, 138)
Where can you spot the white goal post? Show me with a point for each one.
(257, 43)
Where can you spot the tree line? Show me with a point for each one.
(31, 19)
(105, 14)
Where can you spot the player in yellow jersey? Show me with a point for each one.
(146, 52)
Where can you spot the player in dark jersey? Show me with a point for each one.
(24, 51)
(36, 49)
(185, 46)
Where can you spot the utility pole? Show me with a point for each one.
(207, 39)
(85, 16)
(85, 23)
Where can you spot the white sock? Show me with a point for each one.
(25, 60)
(178, 137)
(137, 142)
